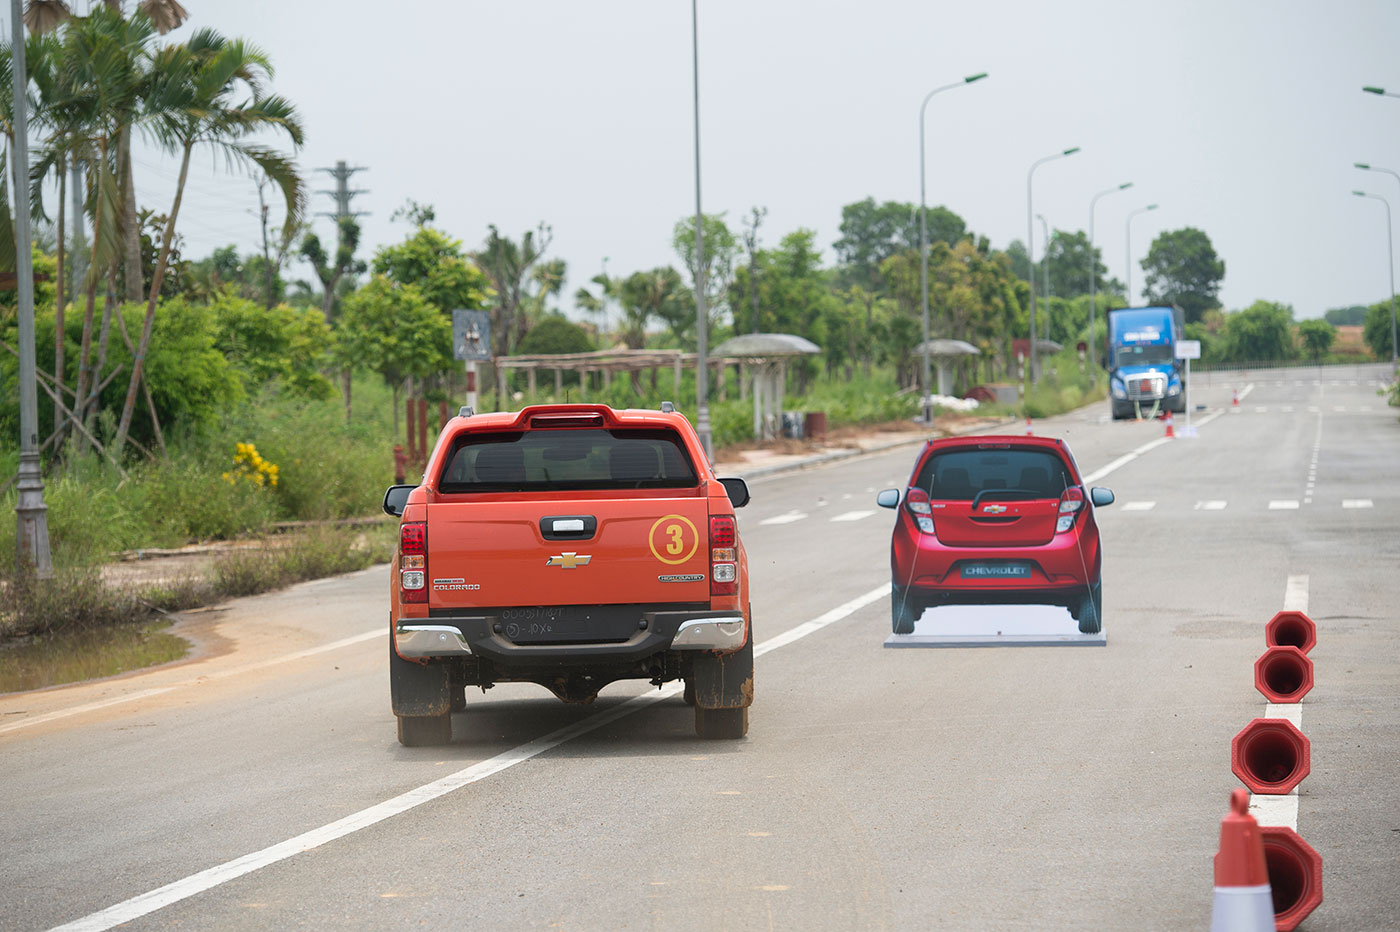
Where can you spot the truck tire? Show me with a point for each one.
(721, 723)
(688, 694)
(904, 610)
(417, 731)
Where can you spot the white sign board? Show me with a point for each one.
(1188, 349)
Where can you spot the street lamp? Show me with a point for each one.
(31, 512)
(1380, 91)
(1030, 251)
(1094, 267)
(1390, 254)
(702, 314)
(923, 235)
(1045, 268)
(1129, 226)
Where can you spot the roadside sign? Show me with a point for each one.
(1188, 349)
(471, 335)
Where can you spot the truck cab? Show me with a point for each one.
(569, 546)
(1144, 376)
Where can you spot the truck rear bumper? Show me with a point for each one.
(483, 636)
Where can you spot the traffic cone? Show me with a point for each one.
(1295, 875)
(1029, 431)
(1243, 901)
(1271, 756)
(1283, 674)
(1171, 431)
(1236, 402)
(1293, 629)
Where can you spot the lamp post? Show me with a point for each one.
(1030, 251)
(1129, 238)
(702, 314)
(1390, 254)
(1094, 268)
(30, 510)
(1045, 268)
(923, 236)
(1380, 91)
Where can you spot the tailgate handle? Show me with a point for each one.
(568, 527)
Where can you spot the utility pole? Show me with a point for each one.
(702, 314)
(342, 193)
(32, 513)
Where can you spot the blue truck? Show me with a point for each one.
(1144, 376)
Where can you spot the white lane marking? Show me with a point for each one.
(852, 515)
(149, 902)
(1139, 506)
(1247, 389)
(1259, 409)
(1357, 503)
(787, 518)
(1283, 504)
(1213, 505)
(1126, 458)
(1283, 810)
(1287, 409)
(1339, 407)
(1313, 409)
(1295, 594)
(203, 678)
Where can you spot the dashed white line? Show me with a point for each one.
(1213, 505)
(1283, 504)
(1139, 506)
(1357, 503)
(852, 515)
(786, 518)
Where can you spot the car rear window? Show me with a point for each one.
(959, 475)
(550, 460)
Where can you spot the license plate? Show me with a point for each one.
(996, 571)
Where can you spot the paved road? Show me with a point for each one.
(1043, 788)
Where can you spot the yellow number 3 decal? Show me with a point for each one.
(673, 539)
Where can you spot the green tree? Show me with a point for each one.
(1070, 258)
(721, 248)
(1376, 331)
(335, 274)
(553, 335)
(871, 233)
(391, 329)
(507, 267)
(1183, 269)
(1262, 332)
(1317, 336)
(282, 345)
(437, 265)
(657, 294)
(1353, 316)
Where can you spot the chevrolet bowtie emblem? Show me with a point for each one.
(569, 560)
(994, 509)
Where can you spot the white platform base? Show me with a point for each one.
(997, 626)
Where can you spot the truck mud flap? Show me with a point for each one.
(725, 681)
(418, 688)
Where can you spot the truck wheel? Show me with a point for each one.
(417, 731)
(904, 610)
(688, 695)
(721, 723)
(459, 699)
(1090, 613)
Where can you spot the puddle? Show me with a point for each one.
(71, 657)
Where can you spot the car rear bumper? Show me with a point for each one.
(485, 636)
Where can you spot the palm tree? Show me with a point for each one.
(210, 92)
(506, 266)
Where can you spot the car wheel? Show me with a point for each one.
(417, 731)
(689, 693)
(1090, 613)
(904, 610)
(721, 723)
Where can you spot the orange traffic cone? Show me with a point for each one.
(1171, 431)
(1236, 402)
(1029, 431)
(1243, 900)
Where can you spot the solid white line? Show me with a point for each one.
(205, 678)
(1283, 810)
(1295, 596)
(161, 897)
(852, 515)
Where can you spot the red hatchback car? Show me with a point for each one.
(996, 519)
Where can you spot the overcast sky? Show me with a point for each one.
(1242, 119)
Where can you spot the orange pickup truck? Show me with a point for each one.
(570, 546)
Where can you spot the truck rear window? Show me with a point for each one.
(959, 475)
(551, 460)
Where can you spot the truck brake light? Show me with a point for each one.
(724, 568)
(413, 561)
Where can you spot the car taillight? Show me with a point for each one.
(413, 561)
(1071, 503)
(724, 567)
(916, 500)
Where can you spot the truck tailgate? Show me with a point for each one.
(635, 549)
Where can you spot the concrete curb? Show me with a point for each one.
(821, 459)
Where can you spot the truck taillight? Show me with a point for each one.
(724, 568)
(916, 500)
(1071, 503)
(413, 561)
